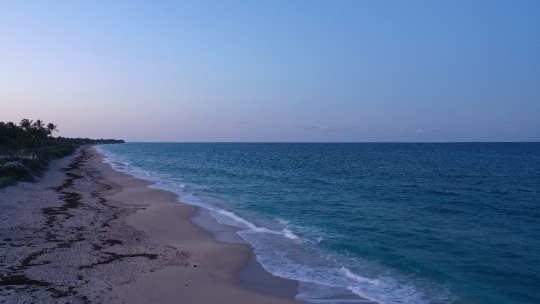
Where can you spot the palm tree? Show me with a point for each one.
(3, 138)
(14, 135)
(39, 124)
(39, 136)
(27, 135)
(26, 124)
(50, 128)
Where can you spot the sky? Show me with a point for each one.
(274, 71)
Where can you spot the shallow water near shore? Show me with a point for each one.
(359, 223)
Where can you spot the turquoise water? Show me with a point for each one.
(392, 223)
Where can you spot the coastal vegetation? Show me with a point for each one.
(26, 149)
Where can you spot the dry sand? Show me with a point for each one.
(86, 233)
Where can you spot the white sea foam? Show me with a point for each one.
(358, 278)
(282, 222)
(288, 234)
(246, 223)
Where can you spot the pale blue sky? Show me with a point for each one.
(274, 70)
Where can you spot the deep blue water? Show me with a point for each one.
(393, 223)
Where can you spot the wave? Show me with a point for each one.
(290, 251)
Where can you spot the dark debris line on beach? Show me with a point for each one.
(81, 240)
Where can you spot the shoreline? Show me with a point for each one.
(218, 245)
(87, 233)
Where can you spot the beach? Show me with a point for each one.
(86, 233)
(226, 222)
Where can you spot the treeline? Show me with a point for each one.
(26, 148)
(35, 139)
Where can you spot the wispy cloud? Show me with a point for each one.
(243, 122)
(329, 128)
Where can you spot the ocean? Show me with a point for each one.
(386, 222)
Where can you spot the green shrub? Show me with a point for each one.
(7, 181)
(59, 151)
(16, 172)
(4, 160)
(38, 166)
